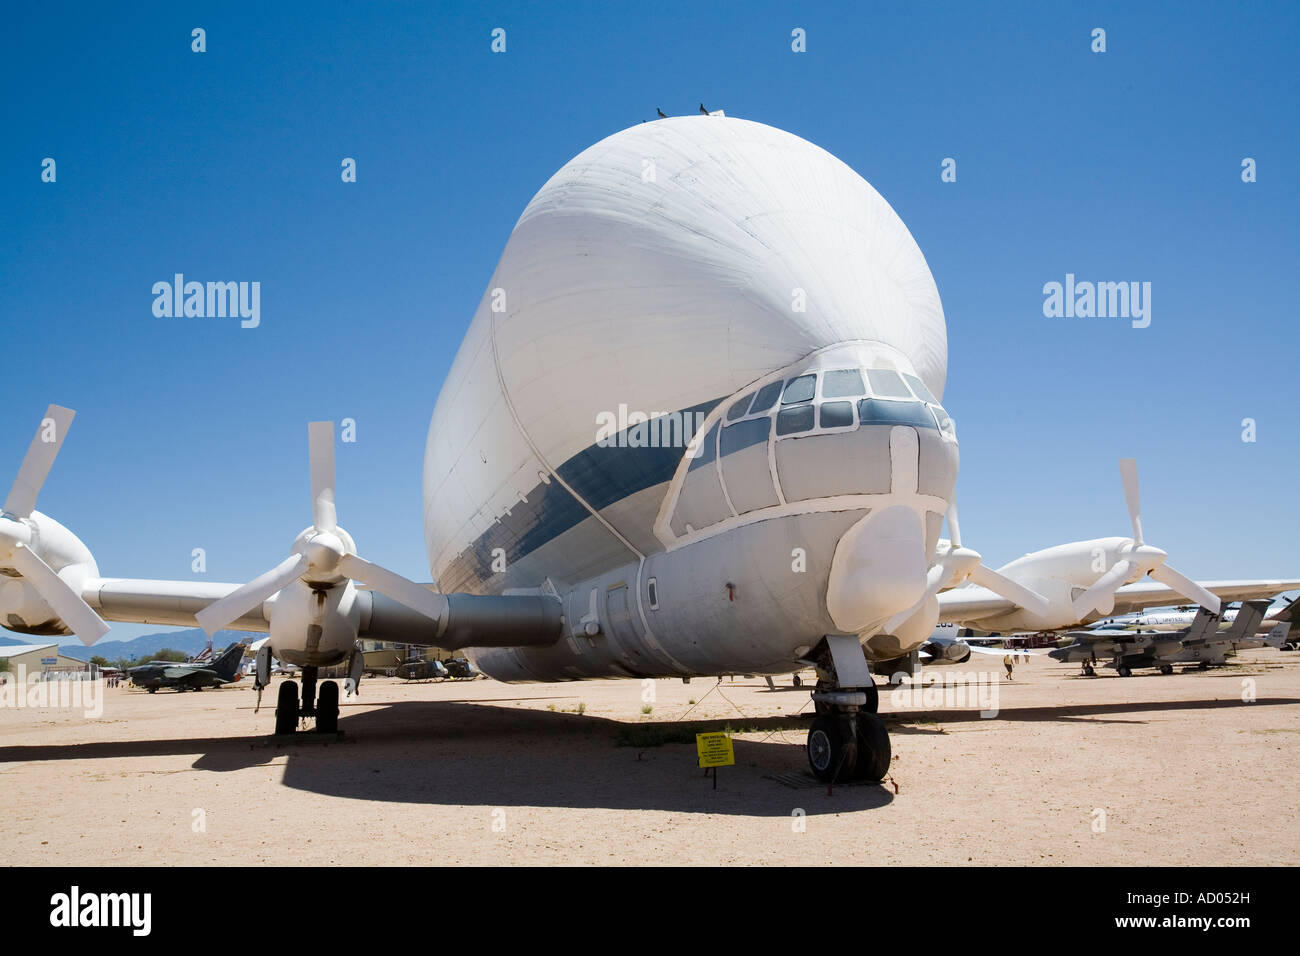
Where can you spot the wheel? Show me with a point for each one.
(327, 708)
(874, 751)
(153, 690)
(1203, 666)
(832, 749)
(1166, 668)
(798, 681)
(286, 708)
(1124, 670)
(1089, 671)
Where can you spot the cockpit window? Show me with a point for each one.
(836, 414)
(872, 411)
(887, 383)
(919, 389)
(738, 409)
(945, 423)
(799, 389)
(842, 383)
(798, 418)
(766, 397)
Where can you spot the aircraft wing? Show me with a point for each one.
(143, 601)
(1004, 651)
(973, 603)
(518, 619)
(1148, 593)
(181, 673)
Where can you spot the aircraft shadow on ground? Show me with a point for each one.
(497, 755)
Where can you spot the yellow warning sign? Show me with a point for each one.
(715, 750)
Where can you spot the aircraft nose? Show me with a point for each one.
(878, 570)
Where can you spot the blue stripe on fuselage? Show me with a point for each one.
(601, 475)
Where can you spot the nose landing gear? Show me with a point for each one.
(847, 741)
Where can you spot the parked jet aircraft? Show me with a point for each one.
(1202, 642)
(693, 429)
(194, 675)
(1180, 618)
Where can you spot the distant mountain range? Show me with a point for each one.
(190, 641)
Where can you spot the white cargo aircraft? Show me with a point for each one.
(693, 429)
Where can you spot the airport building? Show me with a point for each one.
(43, 659)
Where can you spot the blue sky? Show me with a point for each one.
(225, 165)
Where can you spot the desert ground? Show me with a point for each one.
(1145, 770)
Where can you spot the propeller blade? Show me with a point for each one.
(417, 597)
(934, 580)
(320, 440)
(1027, 598)
(1186, 587)
(248, 596)
(38, 461)
(954, 529)
(1128, 472)
(1102, 593)
(59, 595)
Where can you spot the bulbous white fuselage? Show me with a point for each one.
(746, 267)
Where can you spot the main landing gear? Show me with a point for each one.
(325, 707)
(847, 741)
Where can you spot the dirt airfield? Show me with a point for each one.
(1111, 771)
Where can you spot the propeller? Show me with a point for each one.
(961, 564)
(325, 555)
(16, 530)
(1141, 559)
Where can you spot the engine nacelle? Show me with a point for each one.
(958, 652)
(21, 608)
(313, 627)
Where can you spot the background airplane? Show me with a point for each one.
(1207, 641)
(194, 675)
(1176, 619)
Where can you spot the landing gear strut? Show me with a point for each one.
(309, 691)
(848, 741)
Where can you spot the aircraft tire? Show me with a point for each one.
(872, 705)
(327, 708)
(286, 708)
(1124, 670)
(832, 748)
(1166, 668)
(874, 752)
